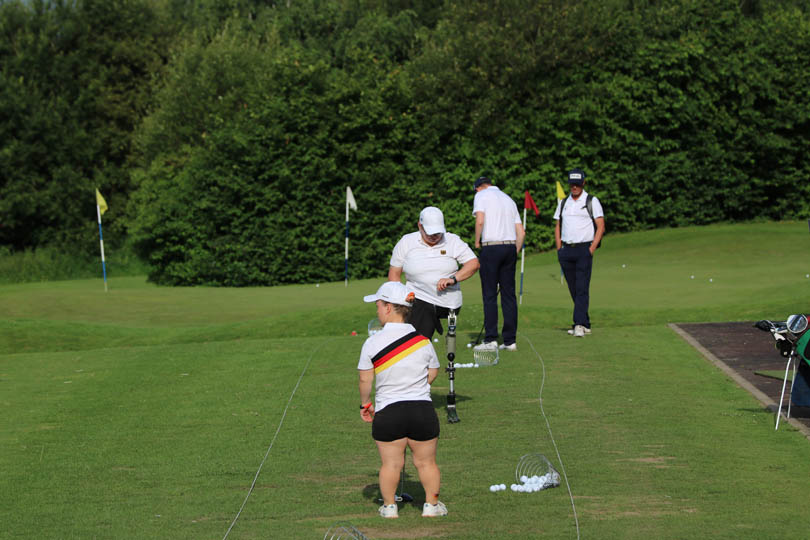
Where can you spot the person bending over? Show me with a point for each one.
(434, 262)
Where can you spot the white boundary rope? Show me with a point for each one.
(548, 425)
(284, 415)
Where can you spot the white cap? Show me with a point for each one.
(392, 292)
(432, 220)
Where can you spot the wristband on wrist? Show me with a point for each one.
(455, 280)
(366, 406)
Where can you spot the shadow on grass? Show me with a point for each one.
(770, 410)
(440, 401)
(409, 487)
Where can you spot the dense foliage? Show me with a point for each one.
(226, 131)
(75, 80)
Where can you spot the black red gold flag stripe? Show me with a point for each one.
(398, 350)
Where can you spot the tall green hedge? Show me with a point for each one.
(684, 112)
(75, 81)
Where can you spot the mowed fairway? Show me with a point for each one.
(146, 412)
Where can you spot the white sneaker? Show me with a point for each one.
(579, 331)
(584, 329)
(512, 347)
(487, 346)
(434, 510)
(389, 511)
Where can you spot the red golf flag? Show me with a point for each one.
(528, 203)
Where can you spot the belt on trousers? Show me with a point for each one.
(579, 244)
(505, 242)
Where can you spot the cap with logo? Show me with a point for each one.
(576, 176)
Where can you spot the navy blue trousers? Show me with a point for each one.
(498, 264)
(576, 263)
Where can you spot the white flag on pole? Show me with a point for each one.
(350, 203)
(350, 199)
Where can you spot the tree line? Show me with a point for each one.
(223, 132)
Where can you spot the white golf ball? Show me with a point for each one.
(435, 340)
(624, 265)
(514, 487)
(317, 284)
(493, 488)
(710, 280)
(469, 345)
(524, 478)
(807, 275)
(692, 277)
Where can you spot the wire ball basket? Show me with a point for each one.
(374, 326)
(344, 530)
(485, 358)
(537, 469)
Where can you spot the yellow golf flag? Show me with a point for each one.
(102, 204)
(560, 191)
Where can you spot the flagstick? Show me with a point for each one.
(522, 257)
(101, 242)
(346, 256)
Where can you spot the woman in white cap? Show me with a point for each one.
(430, 258)
(404, 364)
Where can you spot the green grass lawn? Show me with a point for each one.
(145, 412)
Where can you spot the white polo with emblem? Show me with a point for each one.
(425, 265)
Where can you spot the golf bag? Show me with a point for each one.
(792, 340)
(800, 392)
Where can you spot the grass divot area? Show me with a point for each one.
(146, 412)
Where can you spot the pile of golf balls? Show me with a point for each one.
(471, 364)
(530, 484)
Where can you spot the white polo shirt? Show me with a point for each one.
(403, 376)
(500, 215)
(577, 226)
(425, 265)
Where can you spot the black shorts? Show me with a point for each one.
(425, 317)
(416, 420)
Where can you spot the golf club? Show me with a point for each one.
(478, 339)
(400, 497)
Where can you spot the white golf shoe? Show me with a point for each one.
(505, 347)
(389, 511)
(487, 346)
(585, 330)
(579, 331)
(434, 510)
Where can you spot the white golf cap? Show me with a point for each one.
(392, 292)
(432, 220)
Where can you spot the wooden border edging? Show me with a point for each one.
(769, 404)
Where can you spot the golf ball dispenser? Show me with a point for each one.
(452, 415)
